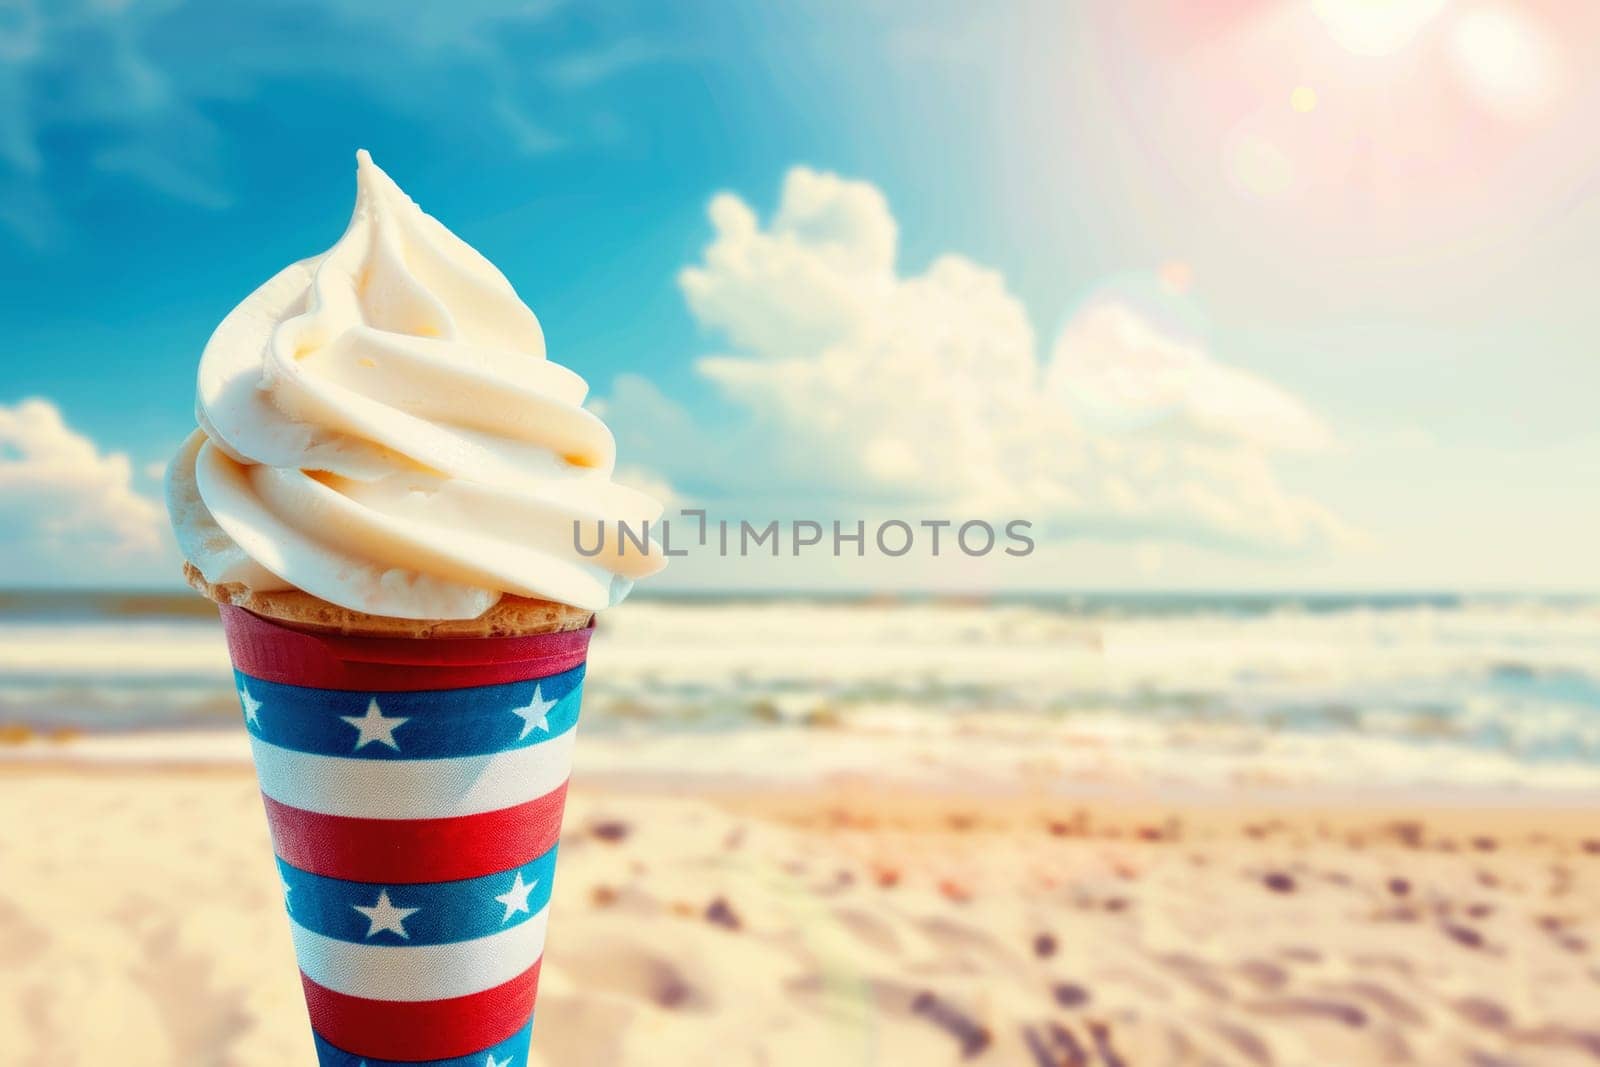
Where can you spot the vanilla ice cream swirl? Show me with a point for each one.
(380, 428)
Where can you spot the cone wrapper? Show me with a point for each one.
(414, 789)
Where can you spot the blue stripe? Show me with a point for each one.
(440, 723)
(446, 911)
(512, 1052)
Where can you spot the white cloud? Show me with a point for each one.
(855, 383)
(1114, 366)
(588, 68)
(65, 502)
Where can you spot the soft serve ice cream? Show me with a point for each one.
(380, 429)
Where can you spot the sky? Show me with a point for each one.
(1261, 294)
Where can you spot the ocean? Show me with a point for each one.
(1490, 690)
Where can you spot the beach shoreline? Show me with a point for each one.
(1370, 695)
(885, 765)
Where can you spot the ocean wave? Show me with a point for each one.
(1469, 689)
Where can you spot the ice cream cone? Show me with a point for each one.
(414, 787)
(388, 494)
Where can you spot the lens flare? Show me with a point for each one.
(1506, 60)
(1376, 27)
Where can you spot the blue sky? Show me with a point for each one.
(1372, 236)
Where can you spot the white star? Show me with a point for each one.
(534, 713)
(385, 916)
(516, 898)
(251, 705)
(374, 727)
(490, 1061)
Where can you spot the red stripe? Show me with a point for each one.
(274, 653)
(416, 850)
(422, 1030)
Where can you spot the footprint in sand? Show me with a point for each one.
(1381, 997)
(869, 928)
(624, 968)
(1481, 1011)
(1244, 1041)
(1069, 994)
(1341, 1011)
(1264, 973)
(1195, 973)
(1054, 1045)
(966, 940)
(971, 1036)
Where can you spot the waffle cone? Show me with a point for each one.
(513, 616)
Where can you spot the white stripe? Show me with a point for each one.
(412, 789)
(419, 972)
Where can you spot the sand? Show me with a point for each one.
(701, 922)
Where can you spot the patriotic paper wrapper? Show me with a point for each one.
(414, 789)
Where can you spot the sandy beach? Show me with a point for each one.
(699, 921)
(941, 834)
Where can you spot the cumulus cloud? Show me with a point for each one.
(63, 501)
(855, 382)
(1115, 367)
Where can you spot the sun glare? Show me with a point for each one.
(1376, 27)
(1507, 61)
